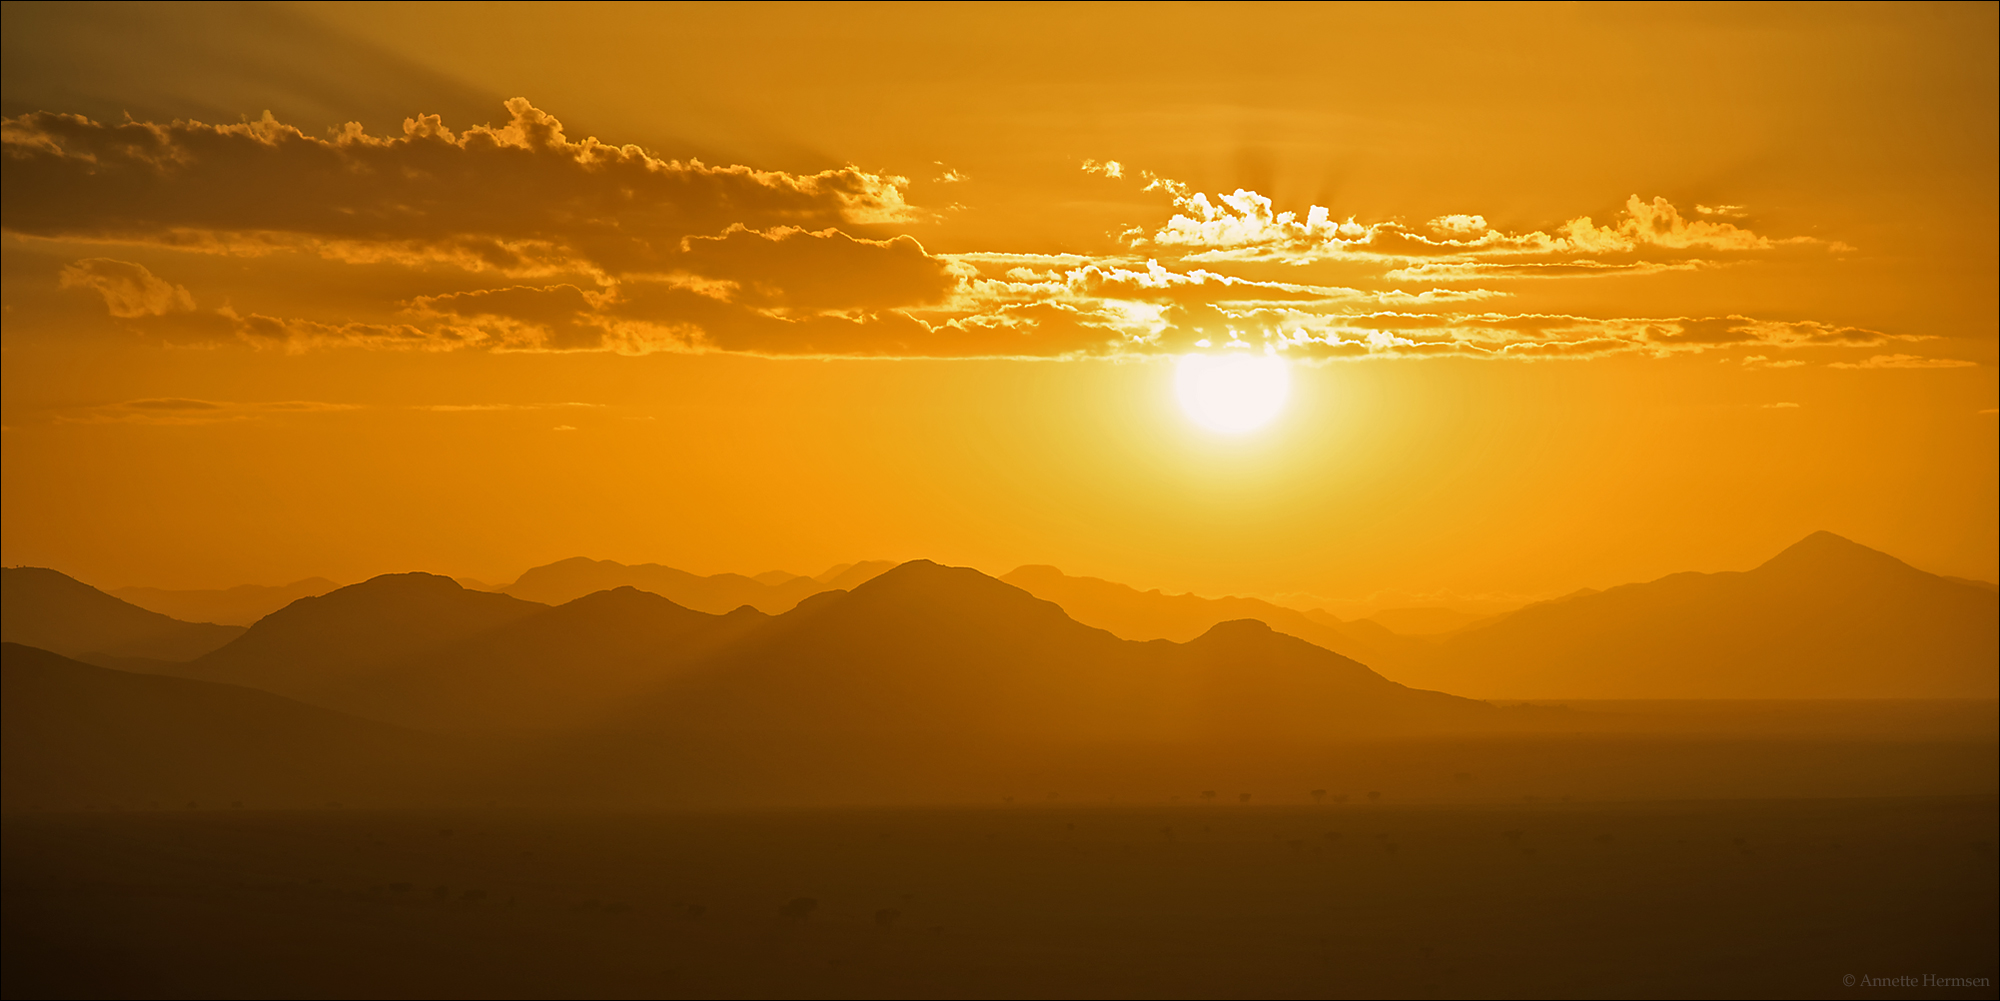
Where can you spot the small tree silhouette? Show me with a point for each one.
(799, 909)
(1319, 795)
(1374, 797)
(886, 917)
(1208, 794)
(1243, 797)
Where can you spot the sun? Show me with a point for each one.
(1233, 393)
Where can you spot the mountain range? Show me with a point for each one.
(771, 592)
(930, 672)
(920, 648)
(1827, 618)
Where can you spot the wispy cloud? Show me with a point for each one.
(183, 410)
(461, 408)
(1906, 361)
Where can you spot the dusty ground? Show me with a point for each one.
(1701, 898)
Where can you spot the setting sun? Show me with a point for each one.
(1232, 393)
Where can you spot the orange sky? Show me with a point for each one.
(1571, 295)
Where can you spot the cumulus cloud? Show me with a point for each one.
(1244, 225)
(129, 290)
(519, 198)
(517, 237)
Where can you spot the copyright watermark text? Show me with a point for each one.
(1915, 980)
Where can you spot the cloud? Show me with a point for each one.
(1760, 361)
(1906, 361)
(1539, 335)
(129, 290)
(1780, 406)
(297, 335)
(460, 408)
(517, 238)
(185, 411)
(520, 198)
(793, 269)
(1245, 225)
(1460, 271)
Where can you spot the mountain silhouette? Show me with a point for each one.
(80, 735)
(1826, 618)
(560, 667)
(928, 650)
(52, 611)
(922, 650)
(317, 646)
(771, 593)
(1144, 615)
(236, 606)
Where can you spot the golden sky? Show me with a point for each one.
(1568, 295)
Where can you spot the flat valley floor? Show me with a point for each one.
(1713, 898)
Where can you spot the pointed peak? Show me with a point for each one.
(1824, 551)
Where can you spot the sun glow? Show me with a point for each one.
(1232, 393)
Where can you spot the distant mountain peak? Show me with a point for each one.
(1234, 628)
(928, 576)
(1823, 552)
(415, 580)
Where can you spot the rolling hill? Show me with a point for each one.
(80, 735)
(564, 667)
(316, 647)
(1145, 615)
(53, 611)
(235, 606)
